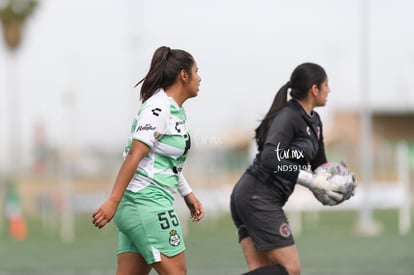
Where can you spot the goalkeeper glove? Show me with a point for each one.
(322, 188)
(348, 182)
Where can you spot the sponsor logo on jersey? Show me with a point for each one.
(146, 127)
(284, 230)
(156, 111)
(174, 238)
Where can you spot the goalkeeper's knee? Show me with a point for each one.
(268, 270)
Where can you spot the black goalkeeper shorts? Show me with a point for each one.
(258, 214)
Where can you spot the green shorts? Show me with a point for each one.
(148, 226)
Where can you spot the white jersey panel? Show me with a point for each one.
(161, 124)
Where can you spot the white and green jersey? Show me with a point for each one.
(162, 125)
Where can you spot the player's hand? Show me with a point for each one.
(325, 190)
(195, 207)
(104, 214)
(325, 199)
(340, 184)
(340, 177)
(348, 182)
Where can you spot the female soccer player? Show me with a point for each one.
(289, 140)
(141, 201)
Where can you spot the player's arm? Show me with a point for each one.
(331, 183)
(193, 204)
(319, 183)
(137, 152)
(106, 211)
(344, 183)
(322, 188)
(150, 125)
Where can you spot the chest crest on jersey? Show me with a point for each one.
(180, 127)
(157, 135)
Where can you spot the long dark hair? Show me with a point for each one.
(301, 80)
(166, 64)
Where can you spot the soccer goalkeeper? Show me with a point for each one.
(290, 147)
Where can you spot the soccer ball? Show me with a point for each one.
(340, 176)
(333, 168)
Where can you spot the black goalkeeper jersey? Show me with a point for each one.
(294, 142)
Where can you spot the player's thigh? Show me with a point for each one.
(175, 265)
(132, 264)
(287, 256)
(253, 257)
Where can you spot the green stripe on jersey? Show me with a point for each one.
(167, 180)
(179, 113)
(174, 141)
(163, 162)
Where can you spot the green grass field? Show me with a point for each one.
(327, 247)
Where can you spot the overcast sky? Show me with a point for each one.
(80, 59)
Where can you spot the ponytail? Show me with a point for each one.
(279, 102)
(153, 79)
(166, 64)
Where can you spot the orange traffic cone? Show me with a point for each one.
(17, 222)
(17, 228)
